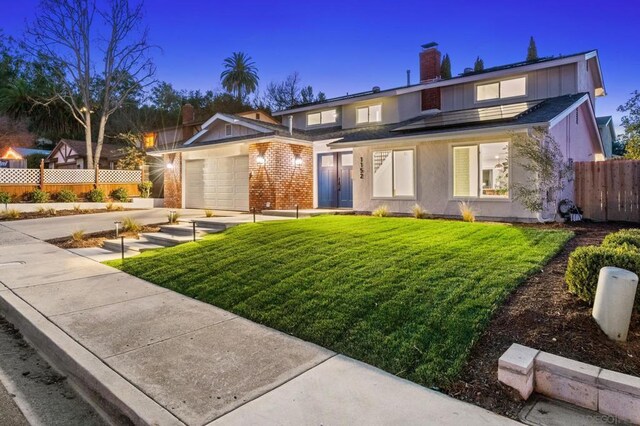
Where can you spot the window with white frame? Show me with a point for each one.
(228, 130)
(393, 173)
(481, 170)
(323, 117)
(502, 89)
(369, 114)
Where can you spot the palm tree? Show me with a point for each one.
(240, 76)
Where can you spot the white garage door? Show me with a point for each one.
(194, 186)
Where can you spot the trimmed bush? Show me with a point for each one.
(39, 196)
(5, 198)
(145, 189)
(96, 196)
(585, 264)
(120, 194)
(624, 237)
(66, 196)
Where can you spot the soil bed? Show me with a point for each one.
(71, 212)
(96, 239)
(543, 315)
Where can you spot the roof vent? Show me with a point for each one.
(467, 70)
(375, 89)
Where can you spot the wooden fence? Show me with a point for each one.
(19, 182)
(609, 190)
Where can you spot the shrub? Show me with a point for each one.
(11, 214)
(77, 208)
(67, 196)
(381, 211)
(5, 197)
(145, 189)
(467, 212)
(173, 217)
(96, 196)
(208, 213)
(585, 264)
(120, 194)
(418, 212)
(628, 237)
(130, 225)
(39, 196)
(78, 235)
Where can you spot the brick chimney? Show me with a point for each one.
(188, 117)
(429, 72)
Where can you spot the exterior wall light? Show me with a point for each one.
(169, 166)
(297, 161)
(260, 160)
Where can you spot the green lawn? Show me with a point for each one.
(409, 296)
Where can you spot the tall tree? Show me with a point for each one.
(445, 67)
(631, 125)
(478, 65)
(240, 76)
(532, 50)
(68, 33)
(289, 93)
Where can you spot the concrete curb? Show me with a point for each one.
(584, 385)
(117, 399)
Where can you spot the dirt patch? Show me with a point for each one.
(97, 239)
(56, 213)
(543, 315)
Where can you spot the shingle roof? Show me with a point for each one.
(109, 151)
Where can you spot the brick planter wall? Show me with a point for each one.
(279, 184)
(173, 181)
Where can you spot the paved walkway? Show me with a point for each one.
(181, 361)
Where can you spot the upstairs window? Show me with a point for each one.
(502, 89)
(323, 117)
(369, 114)
(228, 130)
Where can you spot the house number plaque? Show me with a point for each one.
(361, 168)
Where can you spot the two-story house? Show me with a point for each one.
(433, 143)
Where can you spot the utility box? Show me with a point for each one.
(614, 301)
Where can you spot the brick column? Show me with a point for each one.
(280, 183)
(173, 180)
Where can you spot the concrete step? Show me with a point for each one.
(187, 230)
(168, 240)
(131, 244)
(210, 225)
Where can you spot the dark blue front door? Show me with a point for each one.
(335, 184)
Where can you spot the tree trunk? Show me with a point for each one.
(87, 138)
(100, 141)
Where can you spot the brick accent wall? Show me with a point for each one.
(280, 184)
(173, 181)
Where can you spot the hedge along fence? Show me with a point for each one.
(19, 182)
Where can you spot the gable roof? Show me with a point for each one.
(497, 71)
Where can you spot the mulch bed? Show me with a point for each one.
(96, 239)
(541, 314)
(41, 215)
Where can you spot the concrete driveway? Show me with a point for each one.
(59, 227)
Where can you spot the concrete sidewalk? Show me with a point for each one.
(157, 357)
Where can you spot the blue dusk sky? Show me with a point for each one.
(346, 46)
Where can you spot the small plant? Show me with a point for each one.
(145, 189)
(77, 236)
(418, 212)
(66, 196)
(77, 208)
(173, 217)
(208, 213)
(11, 214)
(467, 211)
(96, 196)
(41, 210)
(130, 225)
(50, 211)
(114, 207)
(120, 194)
(381, 211)
(585, 263)
(5, 198)
(39, 196)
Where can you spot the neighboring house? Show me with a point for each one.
(607, 133)
(434, 143)
(16, 158)
(72, 154)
